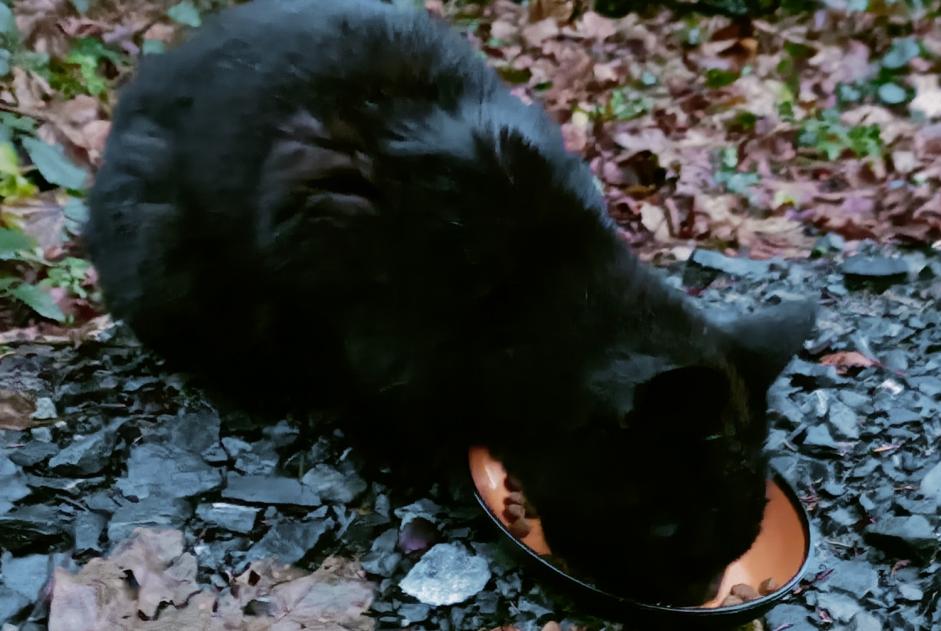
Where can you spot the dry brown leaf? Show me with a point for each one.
(163, 571)
(536, 33)
(38, 23)
(927, 99)
(16, 410)
(557, 10)
(846, 360)
(100, 598)
(596, 27)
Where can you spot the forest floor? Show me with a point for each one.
(807, 147)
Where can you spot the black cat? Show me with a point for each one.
(337, 200)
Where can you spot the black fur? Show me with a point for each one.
(337, 199)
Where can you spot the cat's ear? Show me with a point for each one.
(762, 343)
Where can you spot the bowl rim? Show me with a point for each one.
(691, 612)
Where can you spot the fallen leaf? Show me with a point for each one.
(846, 360)
(16, 410)
(927, 99)
(535, 34)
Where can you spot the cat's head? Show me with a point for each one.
(665, 485)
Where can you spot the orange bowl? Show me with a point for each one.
(781, 551)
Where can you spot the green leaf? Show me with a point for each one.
(902, 51)
(7, 21)
(12, 241)
(38, 300)
(185, 13)
(54, 165)
(892, 93)
(153, 47)
(718, 78)
(76, 215)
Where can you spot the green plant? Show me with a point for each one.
(728, 175)
(80, 72)
(70, 274)
(830, 137)
(623, 104)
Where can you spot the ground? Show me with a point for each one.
(754, 159)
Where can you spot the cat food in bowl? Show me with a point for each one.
(751, 585)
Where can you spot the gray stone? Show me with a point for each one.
(865, 622)
(13, 485)
(445, 575)
(152, 512)
(844, 420)
(289, 541)
(269, 489)
(382, 559)
(155, 469)
(87, 529)
(333, 485)
(840, 607)
(233, 517)
(910, 593)
(87, 455)
(904, 536)
(931, 484)
(45, 409)
(26, 575)
(902, 416)
(11, 603)
(794, 615)
(875, 267)
(856, 578)
(819, 437)
(710, 259)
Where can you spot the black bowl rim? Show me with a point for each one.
(701, 613)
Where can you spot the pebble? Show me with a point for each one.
(87, 455)
(231, 517)
(447, 574)
(333, 485)
(904, 536)
(166, 471)
(289, 541)
(930, 485)
(269, 489)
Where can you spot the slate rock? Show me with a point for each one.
(26, 575)
(269, 489)
(818, 438)
(155, 469)
(413, 612)
(931, 484)
(904, 536)
(289, 541)
(382, 559)
(87, 455)
(844, 420)
(797, 617)
(333, 485)
(910, 593)
(881, 268)
(260, 459)
(865, 622)
(151, 512)
(86, 531)
(33, 452)
(11, 603)
(709, 259)
(36, 525)
(840, 607)
(232, 517)
(902, 416)
(447, 574)
(856, 578)
(13, 486)
(45, 409)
